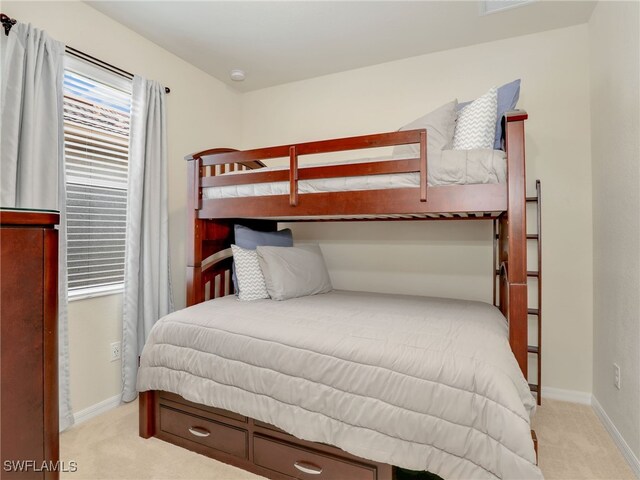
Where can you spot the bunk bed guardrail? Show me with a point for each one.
(208, 168)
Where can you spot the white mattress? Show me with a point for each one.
(449, 167)
(421, 383)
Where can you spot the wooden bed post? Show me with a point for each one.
(195, 228)
(147, 414)
(514, 226)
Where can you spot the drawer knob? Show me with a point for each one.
(309, 468)
(199, 432)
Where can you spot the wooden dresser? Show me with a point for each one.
(29, 344)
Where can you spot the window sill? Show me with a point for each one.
(92, 292)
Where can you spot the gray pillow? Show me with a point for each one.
(250, 239)
(292, 272)
(440, 125)
(247, 238)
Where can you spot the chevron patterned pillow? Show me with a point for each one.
(250, 278)
(476, 125)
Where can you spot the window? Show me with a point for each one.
(97, 106)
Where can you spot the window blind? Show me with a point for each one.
(96, 134)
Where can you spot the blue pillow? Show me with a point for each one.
(251, 239)
(508, 95)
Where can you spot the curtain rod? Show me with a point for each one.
(7, 23)
(107, 66)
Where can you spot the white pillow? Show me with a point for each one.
(476, 125)
(440, 125)
(292, 272)
(251, 282)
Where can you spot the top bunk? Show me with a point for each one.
(452, 184)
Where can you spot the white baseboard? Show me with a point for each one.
(97, 409)
(620, 442)
(573, 396)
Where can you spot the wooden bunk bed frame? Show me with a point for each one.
(264, 449)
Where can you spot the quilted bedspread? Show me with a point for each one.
(421, 383)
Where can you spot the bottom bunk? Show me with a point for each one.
(420, 383)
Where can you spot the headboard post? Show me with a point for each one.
(195, 228)
(516, 239)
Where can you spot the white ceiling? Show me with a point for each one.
(277, 42)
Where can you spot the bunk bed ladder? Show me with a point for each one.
(536, 349)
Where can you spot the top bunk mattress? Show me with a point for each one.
(421, 383)
(448, 167)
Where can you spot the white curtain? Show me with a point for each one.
(147, 284)
(32, 160)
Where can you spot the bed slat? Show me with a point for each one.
(423, 165)
(293, 176)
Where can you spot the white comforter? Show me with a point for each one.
(421, 383)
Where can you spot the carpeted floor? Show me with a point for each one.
(573, 445)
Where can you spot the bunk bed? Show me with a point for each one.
(258, 446)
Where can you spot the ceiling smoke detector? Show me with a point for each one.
(237, 75)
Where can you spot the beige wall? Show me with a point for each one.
(449, 258)
(201, 112)
(93, 324)
(615, 102)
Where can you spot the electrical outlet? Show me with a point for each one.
(616, 375)
(115, 351)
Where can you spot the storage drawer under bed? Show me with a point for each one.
(305, 463)
(206, 432)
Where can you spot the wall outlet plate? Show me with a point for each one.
(116, 348)
(616, 375)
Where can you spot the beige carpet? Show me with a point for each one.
(573, 445)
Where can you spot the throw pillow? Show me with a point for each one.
(249, 274)
(476, 125)
(250, 239)
(508, 95)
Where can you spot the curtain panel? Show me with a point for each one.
(147, 284)
(32, 153)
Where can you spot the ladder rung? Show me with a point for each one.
(532, 199)
(530, 273)
(533, 388)
(533, 349)
(530, 311)
(530, 236)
